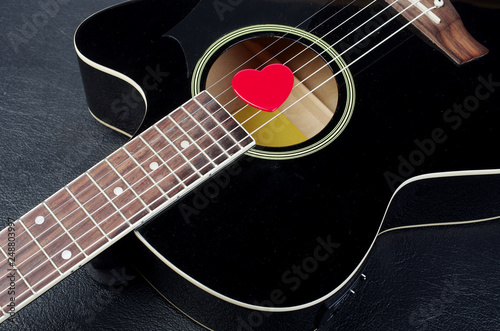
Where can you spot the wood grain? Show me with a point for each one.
(450, 36)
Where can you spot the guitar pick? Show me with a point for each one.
(266, 89)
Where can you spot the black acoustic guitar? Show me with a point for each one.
(262, 219)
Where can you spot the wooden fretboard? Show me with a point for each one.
(111, 199)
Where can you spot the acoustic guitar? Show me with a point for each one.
(262, 219)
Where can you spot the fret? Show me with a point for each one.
(43, 229)
(98, 205)
(145, 163)
(13, 286)
(126, 201)
(67, 234)
(128, 186)
(8, 266)
(110, 214)
(218, 132)
(83, 227)
(28, 254)
(32, 264)
(194, 153)
(91, 230)
(88, 194)
(211, 146)
(178, 163)
(108, 201)
(63, 249)
(22, 292)
(164, 176)
(185, 171)
(69, 215)
(40, 276)
(208, 123)
(225, 119)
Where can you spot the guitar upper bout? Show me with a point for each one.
(129, 69)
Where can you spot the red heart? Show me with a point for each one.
(265, 90)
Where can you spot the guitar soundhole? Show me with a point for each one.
(310, 106)
(316, 112)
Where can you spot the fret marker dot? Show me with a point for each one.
(39, 220)
(66, 255)
(153, 166)
(185, 144)
(118, 191)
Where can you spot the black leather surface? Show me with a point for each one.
(440, 278)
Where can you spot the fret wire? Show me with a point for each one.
(39, 246)
(144, 171)
(195, 141)
(43, 251)
(109, 200)
(216, 141)
(61, 274)
(17, 270)
(56, 268)
(88, 214)
(180, 152)
(165, 162)
(219, 123)
(174, 146)
(126, 183)
(38, 266)
(185, 131)
(60, 250)
(74, 240)
(64, 228)
(69, 271)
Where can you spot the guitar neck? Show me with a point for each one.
(111, 199)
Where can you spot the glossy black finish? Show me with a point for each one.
(255, 229)
(129, 39)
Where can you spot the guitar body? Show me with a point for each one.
(278, 238)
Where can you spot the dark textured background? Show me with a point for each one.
(443, 278)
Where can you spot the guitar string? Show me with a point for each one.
(310, 17)
(318, 25)
(200, 123)
(327, 64)
(93, 227)
(316, 57)
(308, 47)
(198, 154)
(94, 243)
(344, 68)
(283, 36)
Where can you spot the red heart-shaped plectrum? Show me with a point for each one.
(265, 90)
